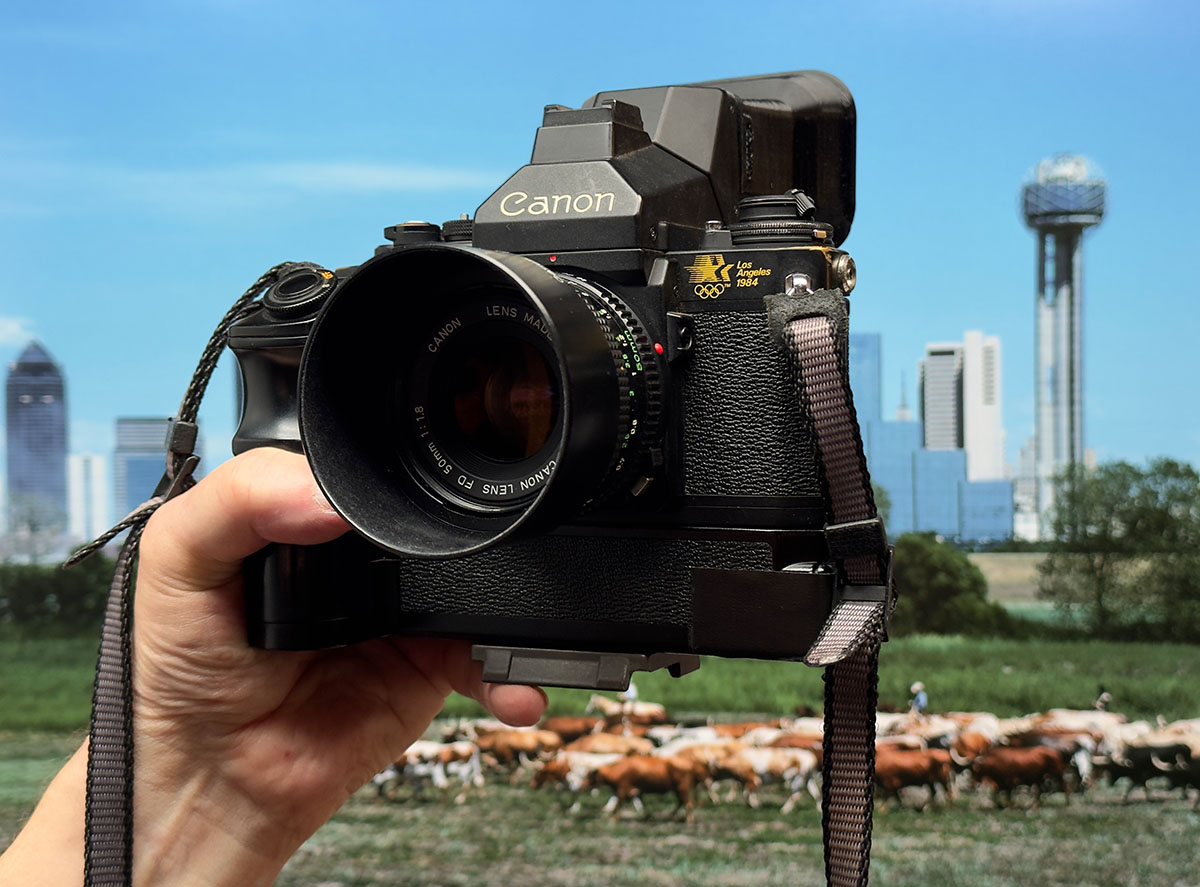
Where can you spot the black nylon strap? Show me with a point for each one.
(109, 811)
(810, 327)
(108, 820)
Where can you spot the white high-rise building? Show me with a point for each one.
(983, 417)
(961, 402)
(87, 496)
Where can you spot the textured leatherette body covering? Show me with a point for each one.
(579, 578)
(743, 432)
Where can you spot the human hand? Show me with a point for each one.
(241, 753)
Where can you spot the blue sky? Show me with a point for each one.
(156, 157)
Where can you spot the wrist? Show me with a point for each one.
(200, 833)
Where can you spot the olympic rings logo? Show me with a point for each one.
(710, 290)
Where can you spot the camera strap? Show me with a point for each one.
(812, 329)
(108, 817)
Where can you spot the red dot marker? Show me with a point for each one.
(658, 348)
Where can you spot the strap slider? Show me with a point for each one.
(181, 437)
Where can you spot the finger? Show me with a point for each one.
(514, 704)
(448, 664)
(198, 540)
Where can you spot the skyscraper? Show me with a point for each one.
(960, 402)
(940, 396)
(139, 460)
(1065, 197)
(88, 495)
(37, 448)
(866, 381)
(983, 416)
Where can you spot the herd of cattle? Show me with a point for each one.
(632, 749)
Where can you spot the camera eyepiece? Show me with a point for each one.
(451, 396)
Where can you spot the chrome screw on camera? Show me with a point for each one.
(797, 284)
(845, 274)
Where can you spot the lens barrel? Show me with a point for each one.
(451, 397)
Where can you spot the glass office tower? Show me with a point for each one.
(36, 419)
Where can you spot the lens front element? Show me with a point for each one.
(485, 400)
(504, 401)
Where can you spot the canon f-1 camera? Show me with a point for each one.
(561, 429)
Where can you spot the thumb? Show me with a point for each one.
(197, 540)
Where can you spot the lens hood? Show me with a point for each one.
(374, 452)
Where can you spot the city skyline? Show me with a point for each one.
(942, 472)
(130, 219)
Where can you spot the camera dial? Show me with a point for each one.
(778, 219)
(300, 292)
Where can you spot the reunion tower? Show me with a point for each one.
(1065, 197)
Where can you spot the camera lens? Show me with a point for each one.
(505, 402)
(483, 394)
(451, 397)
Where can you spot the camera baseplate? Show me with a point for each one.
(574, 668)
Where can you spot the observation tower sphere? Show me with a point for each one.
(1065, 190)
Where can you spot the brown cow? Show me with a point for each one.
(810, 741)
(571, 727)
(624, 728)
(970, 744)
(737, 731)
(511, 747)
(898, 768)
(796, 768)
(569, 771)
(611, 743)
(632, 777)
(1008, 768)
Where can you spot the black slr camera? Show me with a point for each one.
(562, 429)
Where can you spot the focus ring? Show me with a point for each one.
(640, 392)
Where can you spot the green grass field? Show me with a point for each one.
(512, 835)
(47, 684)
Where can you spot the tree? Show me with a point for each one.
(47, 599)
(883, 502)
(941, 591)
(1126, 548)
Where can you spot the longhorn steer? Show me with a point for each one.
(632, 777)
(570, 771)
(899, 768)
(611, 743)
(1141, 763)
(1008, 768)
(571, 727)
(795, 768)
(511, 747)
(633, 712)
